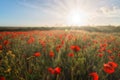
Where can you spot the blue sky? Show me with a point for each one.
(55, 12)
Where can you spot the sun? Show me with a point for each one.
(76, 18)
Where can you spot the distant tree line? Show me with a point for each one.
(105, 29)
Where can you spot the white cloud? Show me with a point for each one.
(97, 10)
(110, 11)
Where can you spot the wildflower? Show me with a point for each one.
(71, 54)
(58, 48)
(119, 55)
(62, 42)
(1, 47)
(51, 70)
(111, 57)
(31, 40)
(43, 43)
(100, 55)
(109, 51)
(1, 37)
(113, 64)
(2, 78)
(57, 70)
(51, 54)
(103, 48)
(108, 69)
(94, 75)
(6, 42)
(75, 48)
(104, 45)
(37, 54)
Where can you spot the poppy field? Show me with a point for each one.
(59, 55)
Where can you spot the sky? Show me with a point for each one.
(59, 12)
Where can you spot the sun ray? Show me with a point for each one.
(72, 12)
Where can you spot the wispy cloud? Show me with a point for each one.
(56, 11)
(110, 11)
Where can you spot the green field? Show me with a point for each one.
(63, 53)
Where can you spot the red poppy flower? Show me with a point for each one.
(62, 42)
(51, 70)
(1, 37)
(75, 48)
(2, 78)
(103, 48)
(43, 43)
(72, 47)
(104, 45)
(51, 54)
(113, 64)
(71, 54)
(94, 75)
(95, 41)
(109, 51)
(6, 42)
(0, 47)
(57, 70)
(100, 55)
(108, 69)
(37, 54)
(111, 57)
(119, 55)
(100, 50)
(58, 48)
(31, 40)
